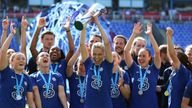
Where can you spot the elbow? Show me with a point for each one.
(31, 48)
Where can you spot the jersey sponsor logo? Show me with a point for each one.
(96, 83)
(146, 84)
(14, 93)
(51, 91)
(83, 91)
(115, 91)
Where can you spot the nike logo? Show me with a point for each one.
(13, 77)
(38, 80)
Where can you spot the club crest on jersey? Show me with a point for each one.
(54, 79)
(125, 67)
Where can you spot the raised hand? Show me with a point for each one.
(12, 28)
(41, 22)
(5, 23)
(137, 28)
(24, 22)
(95, 18)
(169, 32)
(149, 29)
(67, 23)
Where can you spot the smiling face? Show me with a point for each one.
(55, 53)
(119, 44)
(143, 57)
(97, 53)
(43, 59)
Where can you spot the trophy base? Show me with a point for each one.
(78, 25)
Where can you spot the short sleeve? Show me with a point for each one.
(188, 90)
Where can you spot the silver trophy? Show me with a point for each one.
(96, 8)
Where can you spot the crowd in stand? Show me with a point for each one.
(126, 76)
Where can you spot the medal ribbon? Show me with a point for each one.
(55, 69)
(47, 84)
(97, 74)
(114, 83)
(18, 83)
(82, 86)
(142, 77)
(170, 86)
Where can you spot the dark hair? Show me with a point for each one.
(176, 47)
(62, 54)
(95, 35)
(120, 36)
(163, 49)
(184, 60)
(47, 32)
(149, 53)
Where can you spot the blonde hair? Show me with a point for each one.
(98, 45)
(137, 39)
(188, 48)
(121, 71)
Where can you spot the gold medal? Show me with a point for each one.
(166, 93)
(140, 92)
(82, 100)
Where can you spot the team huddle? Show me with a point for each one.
(128, 77)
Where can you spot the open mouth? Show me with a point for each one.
(21, 64)
(45, 61)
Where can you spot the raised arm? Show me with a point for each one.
(157, 58)
(41, 24)
(71, 63)
(6, 44)
(70, 39)
(171, 49)
(83, 49)
(5, 25)
(24, 25)
(108, 51)
(127, 54)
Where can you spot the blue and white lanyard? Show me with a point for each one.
(82, 87)
(55, 69)
(169, 88)
(18, 83)
(114, 82)
(47, 84)
(142, 77)
(97, 74)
